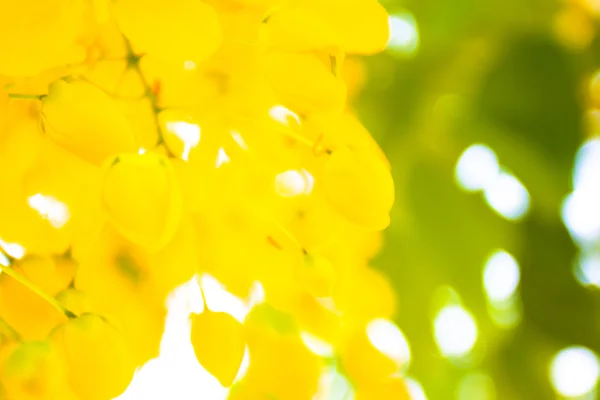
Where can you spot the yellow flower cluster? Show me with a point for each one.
(146, 142)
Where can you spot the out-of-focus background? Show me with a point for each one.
(487, 112)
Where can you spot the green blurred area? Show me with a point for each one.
(491, 72)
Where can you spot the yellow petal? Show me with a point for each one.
(360, 187)
(219, 344)
(305, 83)
(99, 365)
(176, 31)
(86, 121)
(142, 199)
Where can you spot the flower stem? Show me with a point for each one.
(25, 282)
(133, 62)
(26, 96)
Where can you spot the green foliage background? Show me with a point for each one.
(485, 72)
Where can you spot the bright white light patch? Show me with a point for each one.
(316, 345)
(455, 331)
(284, 115)
(580, 211)
(404, 35)
(257, 294)
(501, 276)
(56, 212)
(222, 157)
(244, 365)
(587, 166)
(334, 386)
(386, 337)
(294, 183)
(415, 390)
(477, 168)
(189, 65)
(219, 299)
(176, 373)
(329, 304)
(4, 261)
(237, 137)
(341, 388)
(581, 215)
(588, 270)
(188, 133)
(508, 197)
(574, 371)
(13, 249)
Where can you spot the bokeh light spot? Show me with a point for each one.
(316, 345)
(501, 276)
(415, 389)
(580, 211)
(581, 215)
(587, 270)
(574, 371)
(477, 168)
(455, 331)
(334, 386)
(386, 337)
(404, 34)
(508, 197)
